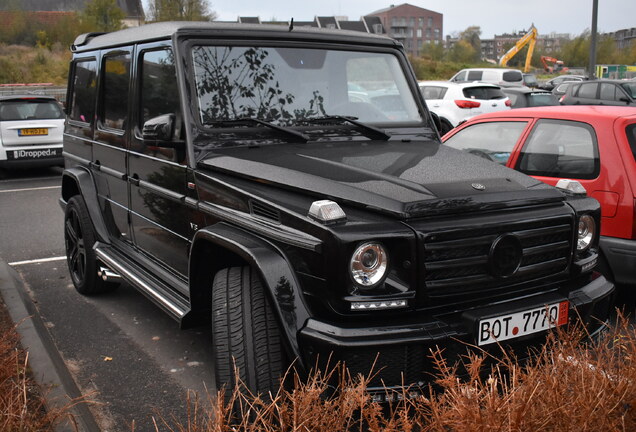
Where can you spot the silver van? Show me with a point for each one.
(498, 76)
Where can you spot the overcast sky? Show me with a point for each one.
(493, 16)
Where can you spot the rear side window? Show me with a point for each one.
(84, 90)
(512, 76)
(30, 109)
(115, 90)
(474, 75)
(587, 90)
(560, 148)
(630, 89)
(542, 99)
(430, 92)
(483, 93)
(608, 92)
(493, 140)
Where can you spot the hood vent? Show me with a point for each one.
(263, 211)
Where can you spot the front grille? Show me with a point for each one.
(459, 261)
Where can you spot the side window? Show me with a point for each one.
(84, 90)
(474, 76)
(159, 93)
(608, 92)
(493, 140)
(115, 84)
(430, 92)
(630, 131)
(460, 76)
(559, 148)
(588, 90)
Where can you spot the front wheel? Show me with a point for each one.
(245, 333)
(79, 238)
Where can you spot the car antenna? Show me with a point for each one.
(291, 24)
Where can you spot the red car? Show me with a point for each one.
(595, 145)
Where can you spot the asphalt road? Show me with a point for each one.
(123, 352)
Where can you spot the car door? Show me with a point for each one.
(109, 148)
(556, 149)
(162, 223)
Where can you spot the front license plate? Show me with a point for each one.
(504, 327)
(33, 131)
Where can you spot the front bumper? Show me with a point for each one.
(621, 258)
(400, 353)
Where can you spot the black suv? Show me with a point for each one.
(288, 188)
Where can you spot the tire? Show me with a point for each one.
(446, 127)
(79, 238)
(245, 333)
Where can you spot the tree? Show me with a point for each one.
(462, 52)
(180, 10)
(472, 35)
(103, 15)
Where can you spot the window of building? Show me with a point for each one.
(430, 21)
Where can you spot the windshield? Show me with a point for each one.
(287, 85)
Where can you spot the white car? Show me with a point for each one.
(31, 128)
(456, 102)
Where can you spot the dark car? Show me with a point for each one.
(552, 83)
(521, 97)
(226, 172)
(560, 90)
(530, 80)
(601, 92)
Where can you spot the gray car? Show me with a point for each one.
(601, 92)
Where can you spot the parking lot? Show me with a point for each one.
(122, 351)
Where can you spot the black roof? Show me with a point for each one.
(166, 30)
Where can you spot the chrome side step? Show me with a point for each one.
(148, 284)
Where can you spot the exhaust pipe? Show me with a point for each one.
(108, 275)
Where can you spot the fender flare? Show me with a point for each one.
(277, 276)
(80, 181)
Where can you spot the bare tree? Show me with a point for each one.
(180, 10)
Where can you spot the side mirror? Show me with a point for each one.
(159, 128)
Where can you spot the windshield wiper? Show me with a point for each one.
(246, 121)
(366, 130)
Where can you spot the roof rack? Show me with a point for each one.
(84, 38)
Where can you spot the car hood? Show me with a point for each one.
(405, 179)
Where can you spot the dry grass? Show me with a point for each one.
(22, 407)
(570, 385)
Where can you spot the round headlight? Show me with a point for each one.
(368, 264)
(586, 232)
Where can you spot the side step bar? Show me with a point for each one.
(148, 284)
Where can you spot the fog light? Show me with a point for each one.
(378, 305)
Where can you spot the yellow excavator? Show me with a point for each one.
(529, 39)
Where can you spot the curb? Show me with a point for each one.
(45, 361)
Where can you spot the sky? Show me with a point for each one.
(493, 16)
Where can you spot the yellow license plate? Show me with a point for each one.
(34, 131)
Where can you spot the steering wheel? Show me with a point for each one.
(481, 154)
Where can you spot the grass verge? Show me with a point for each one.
(571, 384)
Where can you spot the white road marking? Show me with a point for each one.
(30, 189)
(37, 261)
